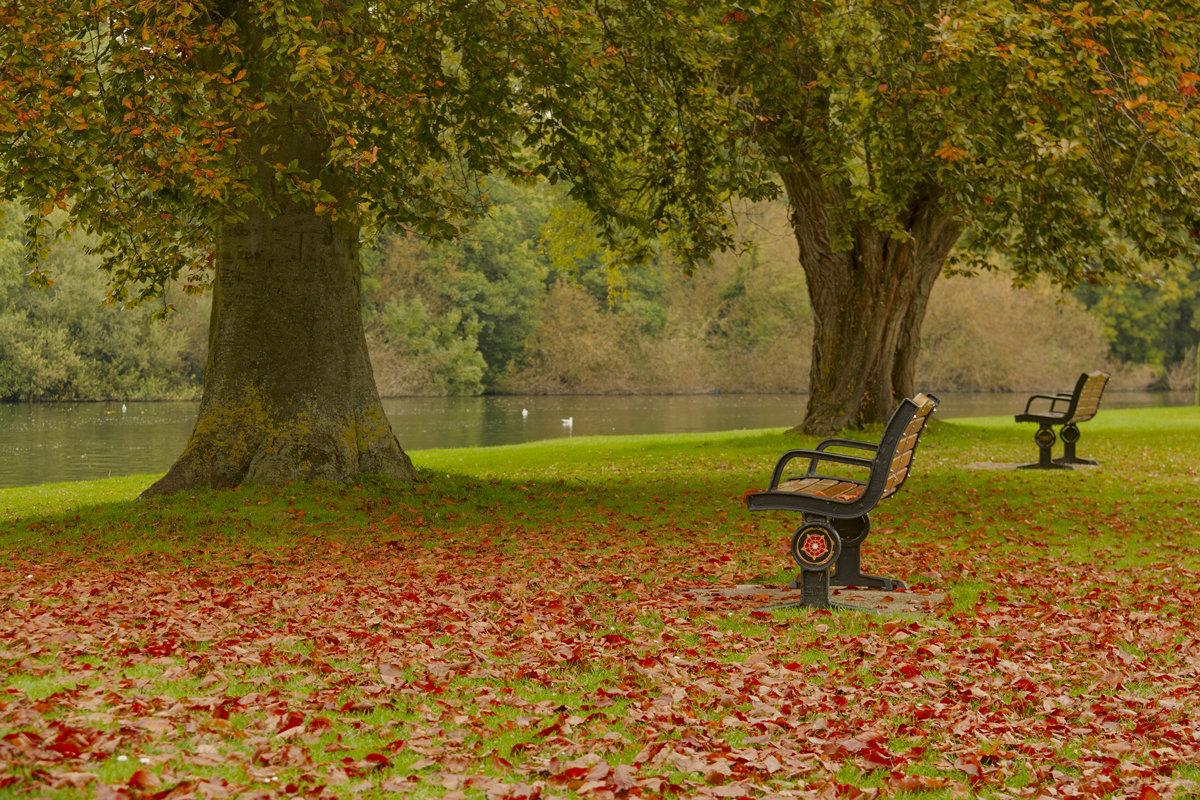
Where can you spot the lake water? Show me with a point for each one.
(56, 442)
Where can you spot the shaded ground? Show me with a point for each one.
(1007, 465)
(751, 596)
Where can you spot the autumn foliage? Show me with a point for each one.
(532, 631)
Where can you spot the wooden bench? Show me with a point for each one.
(1066, 409)
(836, 506)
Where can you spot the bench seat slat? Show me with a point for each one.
(1048, 416)
(895, 478)
(823, 487)
(901, 460)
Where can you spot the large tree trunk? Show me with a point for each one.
(288, 389)
(868, 301)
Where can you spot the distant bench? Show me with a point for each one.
(1066, 409)
(836, 509)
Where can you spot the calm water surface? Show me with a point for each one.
(55, 442)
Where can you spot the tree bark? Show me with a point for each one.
(288, 389)
(288, 393)
(868, 300)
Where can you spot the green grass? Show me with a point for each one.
(520, 619)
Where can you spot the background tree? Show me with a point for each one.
(901, 130)
(449, 317)
(742, 324)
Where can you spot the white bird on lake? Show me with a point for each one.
(524, 413)
(568, 423)
(122, 408)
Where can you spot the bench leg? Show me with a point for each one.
(848, 572)
(848, 569)
(814, 589)
(816, 547)
(1070, 435)
(1045, 439)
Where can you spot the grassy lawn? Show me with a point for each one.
(519, 624)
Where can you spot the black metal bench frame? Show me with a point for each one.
(836, 509)
(1066, 409)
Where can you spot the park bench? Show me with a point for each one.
(1066, 409)
(836, 508)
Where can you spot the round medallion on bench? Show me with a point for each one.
(815, 546)
(1045, 437)
(1069, 433)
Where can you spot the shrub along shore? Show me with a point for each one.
(524, 623)
(512, 309)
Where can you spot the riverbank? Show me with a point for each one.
(53, 443)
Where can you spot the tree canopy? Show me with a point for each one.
(153, 124)
(1047, 127)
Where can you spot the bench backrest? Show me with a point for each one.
(899, 442)
(1086, 397)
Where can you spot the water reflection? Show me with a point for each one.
(55, 442)
(422, 423)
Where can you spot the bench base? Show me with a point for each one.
(1045, 439)
(1070, 436)
(829, 553)
(848, 572)
(814, 589)
(814, 593)
(848, 569)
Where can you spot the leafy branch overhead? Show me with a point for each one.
(153, 124)
(1048, 129)
(909, 137)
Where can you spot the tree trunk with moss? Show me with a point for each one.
(288, 390)
(289, 393)
(868, 301)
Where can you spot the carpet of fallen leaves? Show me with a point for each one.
(438, 643)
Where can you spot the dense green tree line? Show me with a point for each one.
(62, 343)
(525, 303)
(1153, 320)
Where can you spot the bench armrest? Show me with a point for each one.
(847, 443)
(1062, 397)
(814, 457)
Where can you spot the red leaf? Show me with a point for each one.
(143, 779)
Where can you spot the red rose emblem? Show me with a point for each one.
(815, 546)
